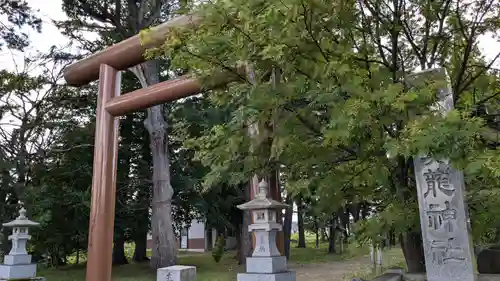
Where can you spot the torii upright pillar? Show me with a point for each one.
(102, 212)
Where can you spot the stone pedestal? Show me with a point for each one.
(176, 273)
(267, 268)
(281, 276)
(17, 259)
(422, 277)
(25, 279)
(266, 264)
(17, 271)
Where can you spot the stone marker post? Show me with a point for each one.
(372, 254)
(266, 262)
(443, 212)
(379, 256)
(17, 264)
(176, 273)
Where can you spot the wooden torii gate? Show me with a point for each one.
(105, 66)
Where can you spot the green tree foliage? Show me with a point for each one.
(32, 114)
(218, 250)
(46, 144)
(59, 197)
(345, 122)
(16, 16)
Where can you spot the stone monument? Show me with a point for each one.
(176, 273)
(17, 264)
(443, 212)
(266, 262)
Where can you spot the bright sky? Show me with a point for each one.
(48, 10)
(51, 9)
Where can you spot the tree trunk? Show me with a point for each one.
(238, 242)
(246, 237)
(122, 191)
(354, 209)
(300, 223)
(413, 251)
(365, 210)
(164, 246)
(392, 238)
(21, 162)
(5, 180)
(140, 250)
(119, 257)
(210, 239)
(323, 235)
(287, 225)
(411, 241)
(317, 233)
(141, 230)
(6, 243)
(332, 236)
(346, 220)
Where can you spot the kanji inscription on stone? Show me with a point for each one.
(443, 216)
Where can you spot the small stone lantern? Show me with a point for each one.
(17, 264)
(266, 262)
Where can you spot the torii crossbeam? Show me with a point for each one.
(106, 66)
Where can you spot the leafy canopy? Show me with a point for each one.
(325, 82)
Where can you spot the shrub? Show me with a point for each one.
(218, 250)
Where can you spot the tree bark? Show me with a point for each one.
(332, 236)
(344, 222)
(413, 251)
(365, 209)
(392, 238)
(323, 234)
(140, 250)
(210, 245)
(300, 223)
(246, 237)
(141, 232)
(316, 230)
(238, 242)
(164, 246)
(287, 225)
(355, 210)
(119, 257)
(143, 202)
(411, 241)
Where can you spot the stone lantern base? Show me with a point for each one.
(17, 271)
(267, 269)
(266, 264)
(25, 279)
(282, 276)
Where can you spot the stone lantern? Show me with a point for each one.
(17, 264)
(266, 262)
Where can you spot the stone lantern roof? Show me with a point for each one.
(261, 201)
(21, 221)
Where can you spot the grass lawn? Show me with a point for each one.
(227, 268)
(207, 269)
